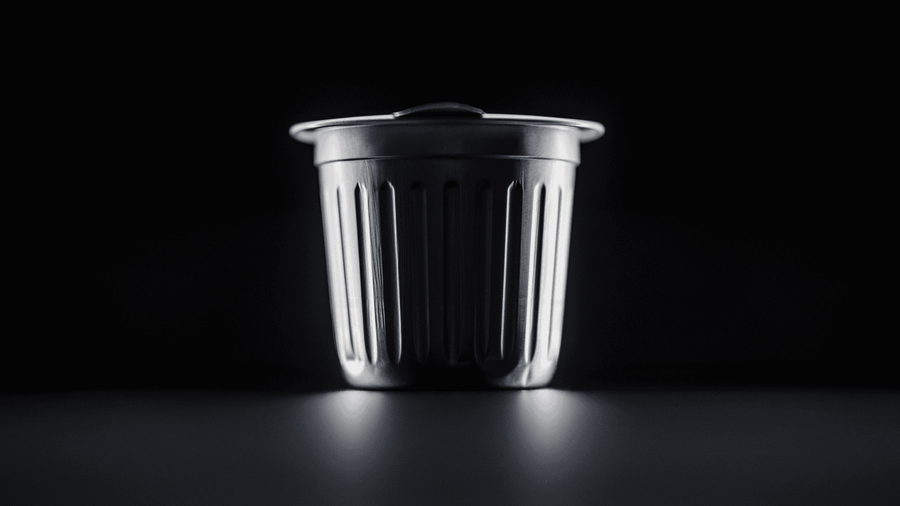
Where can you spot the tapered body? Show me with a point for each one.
(460, 263)
(447, 241)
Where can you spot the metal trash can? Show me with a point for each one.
(447, 240)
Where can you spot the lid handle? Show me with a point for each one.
(440, 109)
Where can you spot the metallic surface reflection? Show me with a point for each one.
(547, 421)
(475, 447)
(560, 436)
(349, 428)
(352, 417)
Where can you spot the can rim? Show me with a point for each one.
(587, 130)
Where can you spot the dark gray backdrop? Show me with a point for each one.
(723, 228)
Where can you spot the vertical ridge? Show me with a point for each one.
(512, 245)
(452, 271)
(482, 312)
(561, 267)
(350, 349)
(365, 273)
(552, 304)
(537, 249)
(391, 271)
(419, 261)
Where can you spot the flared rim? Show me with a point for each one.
(587, 130)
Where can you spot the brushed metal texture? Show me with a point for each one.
(447, 241)
(427, 268)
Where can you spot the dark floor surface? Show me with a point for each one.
(604, 446)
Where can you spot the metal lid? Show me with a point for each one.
(306, 132)
(446, 129)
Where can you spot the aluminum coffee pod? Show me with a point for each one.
(447, 239)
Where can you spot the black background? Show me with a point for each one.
(726, 227)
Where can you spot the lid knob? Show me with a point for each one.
(440, 109)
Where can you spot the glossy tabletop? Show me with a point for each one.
(726, 446)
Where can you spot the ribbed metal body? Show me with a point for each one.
(447, 239)
(447, 263)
